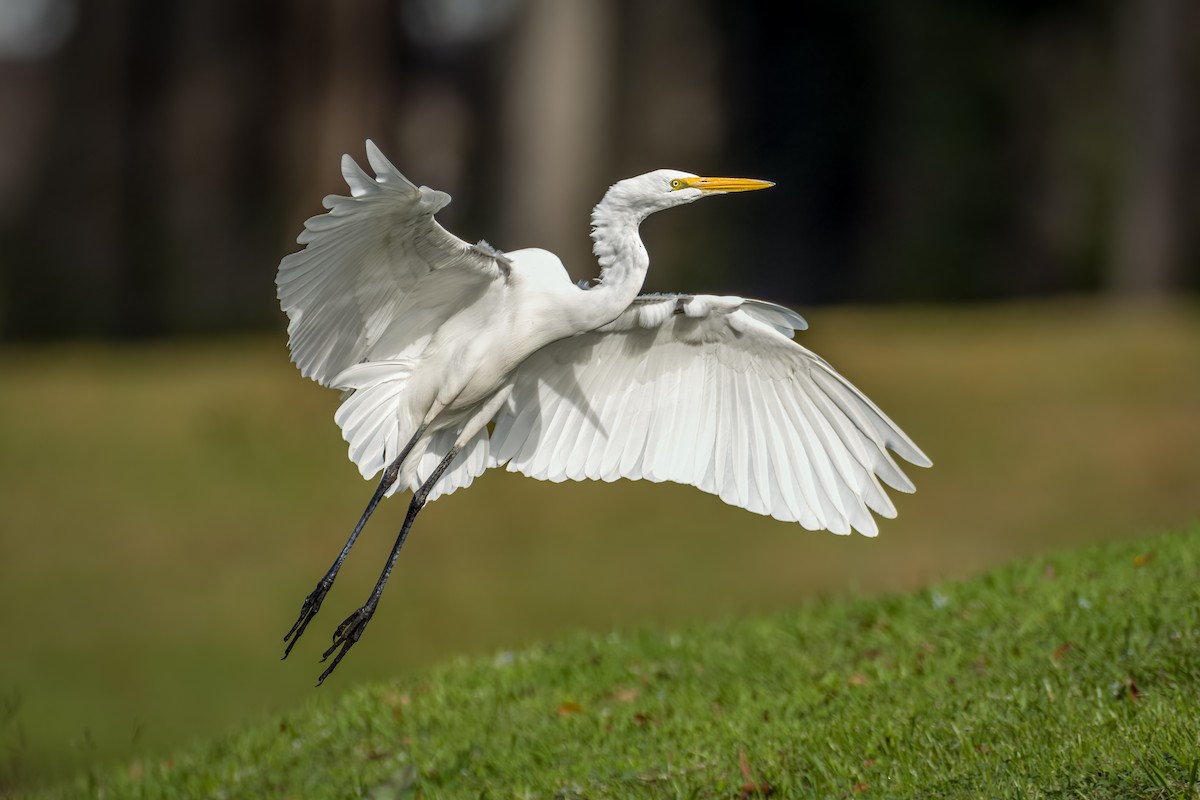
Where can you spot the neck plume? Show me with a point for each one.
(622, 256)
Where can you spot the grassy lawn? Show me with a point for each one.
(1074, 675)
(170, 505)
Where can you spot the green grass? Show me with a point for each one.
(1075, 675)
(165, 508)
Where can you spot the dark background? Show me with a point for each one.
(156, 159)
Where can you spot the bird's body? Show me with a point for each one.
(434, 339)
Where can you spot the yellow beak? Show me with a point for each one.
(720, 185)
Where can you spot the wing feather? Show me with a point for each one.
(717, 476)
(712, 392)
(865, 463)
(345, 291)
(782, 457)
(660, 439)
(744, 435)
(617, 436)
(600, 437)
(833, 515)
(772, 472)
(637, 420)
(541, 457)
(707, 411)
(760, 458)
(804, 482)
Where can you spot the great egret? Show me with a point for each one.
(433, 339)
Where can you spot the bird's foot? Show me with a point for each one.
(312, 604)
(346, 636)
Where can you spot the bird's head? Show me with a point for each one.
(667, 188)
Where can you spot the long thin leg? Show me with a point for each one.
(312, 603)
(351, 629)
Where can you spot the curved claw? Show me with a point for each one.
(345, 637)
(312, 604)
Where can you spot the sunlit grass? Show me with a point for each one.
(1073, 675)
(169, 506)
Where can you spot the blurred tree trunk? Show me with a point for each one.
(207, 164)
(669, 111)
(558, 98)
(170, 160)
(336, 86)
(1146, 248)
(60, 244)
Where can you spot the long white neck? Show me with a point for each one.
(622, 256)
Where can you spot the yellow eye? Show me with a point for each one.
(677, 184)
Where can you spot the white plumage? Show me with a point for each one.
(433, 339)
(706, 391)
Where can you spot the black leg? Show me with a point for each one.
(351, 629)
(312, 603)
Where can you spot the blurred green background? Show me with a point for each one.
(982, 208)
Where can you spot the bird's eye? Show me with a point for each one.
(677, 184)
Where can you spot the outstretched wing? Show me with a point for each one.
(345, 292)
(711, 392)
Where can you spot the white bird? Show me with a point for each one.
(433, 339)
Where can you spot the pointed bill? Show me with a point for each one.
(721, 185)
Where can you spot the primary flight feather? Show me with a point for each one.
(433, 338)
